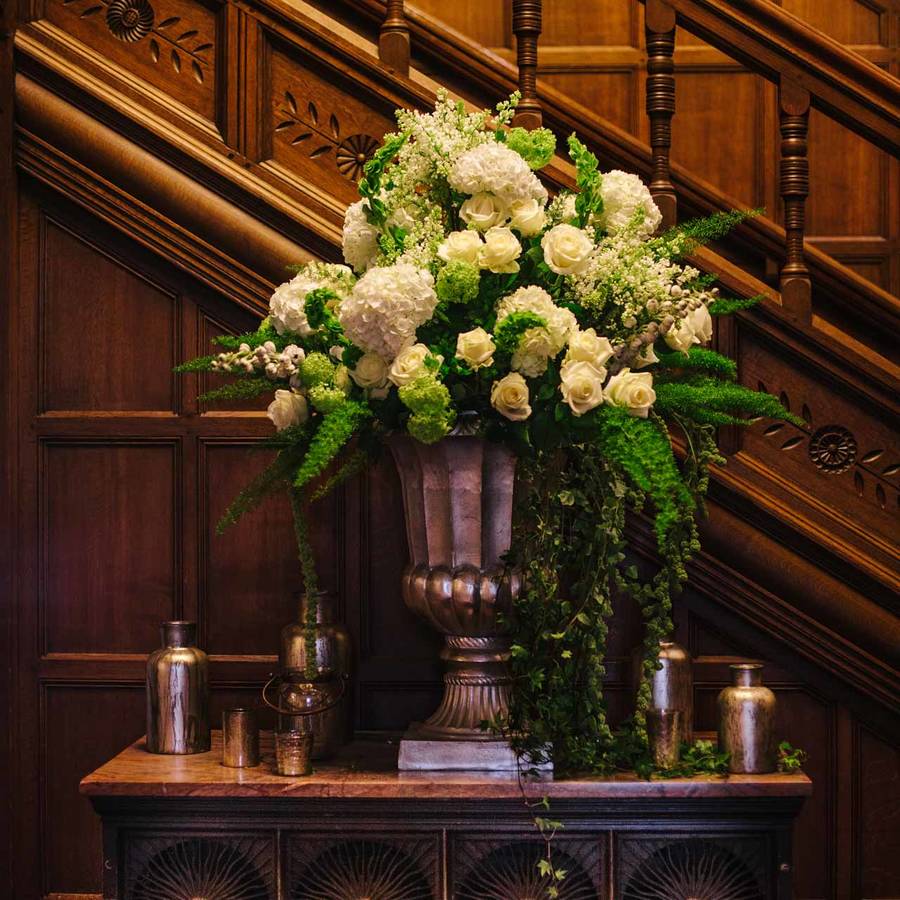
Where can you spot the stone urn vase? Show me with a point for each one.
(458, 502)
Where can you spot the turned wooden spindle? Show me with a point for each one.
(393, 41)
(793, 109)
(526, 19)
(660, 35)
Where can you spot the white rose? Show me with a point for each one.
(483, 211)
(645, 358)
(342, 380)
(509, 396)
(528, 217)
(475, 348)
(631, 390)
(288, 408)
(403, 218)
(534, 349)
(567, 249)
(371, 371)
(681, 335)
(461, 245)
(360, 239)
(581, 385)
(586, 346)
(409, 364)
(701, 322)
(500, 251)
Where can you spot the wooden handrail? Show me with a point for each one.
(776, 44)
(465, 60)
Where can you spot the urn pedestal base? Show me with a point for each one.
(419, 753)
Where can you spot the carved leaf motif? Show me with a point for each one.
(176, 61)
(291, 102)
(892, 469)
(320, 151)
(790, 443)
(200, 48)
(188, 34)
(773, 429)
(859, 483)
(880, 496)
(313, 113)
(154, 50)
(90, 11)
(784, 400)
(871, 456)
(288, 123)
(806, 414)
(198, 72)
(304, 135)
(761, 387)
(172, 20)
(335, 126)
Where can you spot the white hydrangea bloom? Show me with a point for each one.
(623, 193)
(494, 168)
(386, 307)
(360, 239)
(287, 306)
(537, 345)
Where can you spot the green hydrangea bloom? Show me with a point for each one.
(535, 147)
(326, 399)
(458, 282)
(429, 429)
(317, 368)
(425, 396)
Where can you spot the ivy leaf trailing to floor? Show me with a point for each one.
(790, 759)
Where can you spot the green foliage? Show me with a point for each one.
(351, 466)
(684, 239)
(315, 369)
(370, 184)
(790, 759)
(245, 389)
(458, 282)
(335, 430)
(535, 147)
(509, 331)
(200, 364)
(589, 201)
(643, 449)
(254, 339)
(318, 313)
(726, 306)
(310, 581)
(713, 402)
(699, 359)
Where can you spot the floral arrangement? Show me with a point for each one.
(566, 327)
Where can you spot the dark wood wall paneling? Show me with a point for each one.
(121, 475)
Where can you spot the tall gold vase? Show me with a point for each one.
(458, 503)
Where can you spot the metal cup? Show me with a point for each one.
(240, 738)
(293, 752)
(664, 729)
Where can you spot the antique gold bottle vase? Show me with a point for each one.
(458, 501)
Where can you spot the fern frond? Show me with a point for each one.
(333, 433)
(698, 359)
(705, 399)
(726, 306)
(245, 389)
(200, 364)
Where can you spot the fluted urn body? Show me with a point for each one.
(458, 502)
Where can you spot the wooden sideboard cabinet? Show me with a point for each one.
(185, 828)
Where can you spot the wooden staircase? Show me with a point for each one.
(225, 137)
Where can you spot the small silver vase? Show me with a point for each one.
(747, 722)
(671, 686)
(178, 693)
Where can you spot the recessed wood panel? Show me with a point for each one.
(108, 333)
(878, 786)
(602, 22)
(850, 21)
(716, 130)
(252, 574)
(606, 93)
(848, 182)
(109, 536)
(72, 747)
(173, 47)
(488, 23)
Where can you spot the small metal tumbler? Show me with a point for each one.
(293, 752)
(240, 738)
(664, 731)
